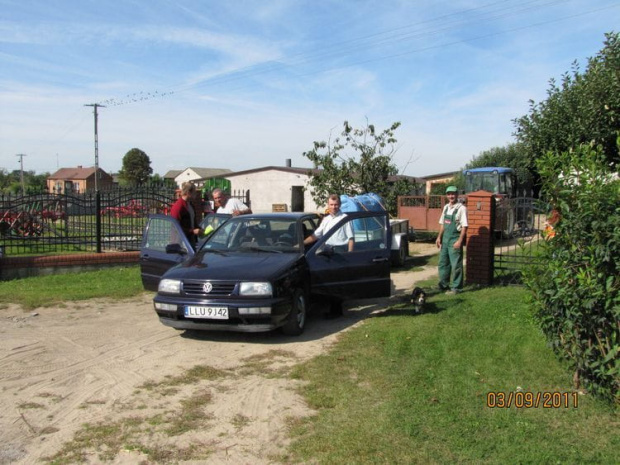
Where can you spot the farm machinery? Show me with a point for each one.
(514, 216)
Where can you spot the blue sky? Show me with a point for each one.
(246, 84)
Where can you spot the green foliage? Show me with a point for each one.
(439, 188)
(583, 108)
(136, 167)
(10, 183)
(358, 162)
(576, 286)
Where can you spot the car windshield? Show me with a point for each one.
(247, 234)
(214, 220)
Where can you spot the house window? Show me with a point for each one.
(76, 187)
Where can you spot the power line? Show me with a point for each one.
(413, 32)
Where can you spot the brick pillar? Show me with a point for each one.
(480, 211)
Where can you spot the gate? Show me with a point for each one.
(518, 226)
(422, 211)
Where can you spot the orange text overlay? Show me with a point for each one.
(525, 399)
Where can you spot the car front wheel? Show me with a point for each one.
(296, 321)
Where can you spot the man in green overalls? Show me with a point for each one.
(450, 241)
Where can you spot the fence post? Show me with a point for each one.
(480, 213)
(98, 219)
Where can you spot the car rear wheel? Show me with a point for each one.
(296, 321)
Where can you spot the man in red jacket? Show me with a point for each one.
(183, 212)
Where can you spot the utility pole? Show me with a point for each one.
(95, 106)
(21, 171)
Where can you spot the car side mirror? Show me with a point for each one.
(175, 248)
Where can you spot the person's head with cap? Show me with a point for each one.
(451, 192)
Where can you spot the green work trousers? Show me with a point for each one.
(450, 259)
(450, 265)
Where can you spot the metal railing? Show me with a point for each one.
(110, 220)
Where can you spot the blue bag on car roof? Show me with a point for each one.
(363, 202)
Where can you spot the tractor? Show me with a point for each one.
(513, 215)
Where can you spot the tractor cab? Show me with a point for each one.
(499, 181)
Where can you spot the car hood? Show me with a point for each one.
(234, 266)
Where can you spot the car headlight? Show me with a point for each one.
(169, 286)
(262, 289)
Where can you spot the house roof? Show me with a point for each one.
(440, 175)
(305, 171)
(397, 177)
(207, 172)
(172, 174)
(76, 173)
(286, 169)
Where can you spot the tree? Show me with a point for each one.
(358, 161)
(576, 280)
(136, 167)
(583, 109)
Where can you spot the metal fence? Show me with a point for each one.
(111, 220)
(91, 222)
(519, 224)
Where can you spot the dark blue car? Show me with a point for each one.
(253, 273)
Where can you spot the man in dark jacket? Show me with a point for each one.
(183, 212)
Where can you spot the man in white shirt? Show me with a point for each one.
(343, 239)
(230, 205)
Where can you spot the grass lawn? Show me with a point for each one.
(407, 388)
(41, 291)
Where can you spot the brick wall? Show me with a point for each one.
(22, 267)
(480, 211)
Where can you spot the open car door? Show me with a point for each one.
(361, 273)
(164, 245)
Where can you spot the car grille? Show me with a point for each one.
(197, 288)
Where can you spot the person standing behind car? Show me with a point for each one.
(343, 239)
(450, 241)
(183, 211)
(226, 204)
(206, 203)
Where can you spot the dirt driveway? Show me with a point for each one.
(114, 366)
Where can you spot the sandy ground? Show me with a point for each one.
(98, 361)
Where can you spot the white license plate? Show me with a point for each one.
(211, 313)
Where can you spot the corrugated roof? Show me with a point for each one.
(172, 174)
(273, 168)
(208, 172)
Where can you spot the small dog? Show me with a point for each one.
(418, 299)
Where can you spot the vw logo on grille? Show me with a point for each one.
(208, 287)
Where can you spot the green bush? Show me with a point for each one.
(576, 287)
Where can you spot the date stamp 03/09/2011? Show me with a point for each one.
(525, 399)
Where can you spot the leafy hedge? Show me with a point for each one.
(576, 287)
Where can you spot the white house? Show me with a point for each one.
(280, 188)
